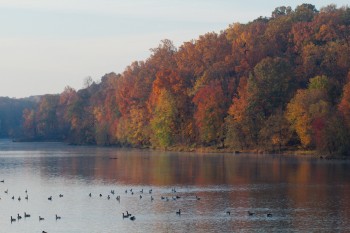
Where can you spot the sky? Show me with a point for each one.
(46, 45)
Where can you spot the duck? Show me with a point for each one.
(61, 195)
(50, 198)
(250, 213)
(178, 212)
(19, 217)
(132, 218)
(26, 215)
(13, 219)
(57, 217)
(41, 218)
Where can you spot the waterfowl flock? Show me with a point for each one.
(129, 193)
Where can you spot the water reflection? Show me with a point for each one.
(303, 194)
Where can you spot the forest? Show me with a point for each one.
(275, 84)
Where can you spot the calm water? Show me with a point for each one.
(302, 194)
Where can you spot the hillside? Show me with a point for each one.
(273, 84)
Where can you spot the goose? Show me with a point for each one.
(26, 197)
(250, 213)
(41, 218)
(178, 212)
(140, 196)
(177, 197)
(126, 191)
(19, 217)
(43, 232)
(89, 194)
(132, 218)
(61, 195)
(167, 199)
(26, 215)
(141, 191)
(162, 198)
(2, 181)
(150, 191)
(108, 197)
(13, 197)
(26, 191)
(112, 192)
(57, 217)
(269, 215)
(118, 198)
(100, 195)
(132, 193)
(13, 219)
(198, 198)
(6, 191)
(228, 212)
(19, 198)
(152, 198)
(50, 198)
(125, 216)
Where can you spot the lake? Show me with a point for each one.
(302, 194)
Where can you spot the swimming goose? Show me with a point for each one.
(132, 218)
(41, 218)
(178, 212)
(26, 215)
(57, 217)
(50, 198)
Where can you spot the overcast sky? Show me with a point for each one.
(46, 45)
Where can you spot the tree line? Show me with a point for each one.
(276, 83)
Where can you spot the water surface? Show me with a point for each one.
(302, 194)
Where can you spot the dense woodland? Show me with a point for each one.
(273, 84)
